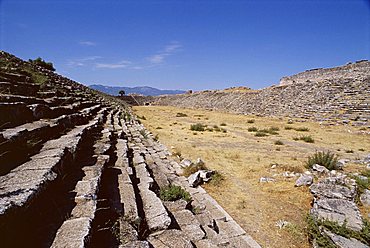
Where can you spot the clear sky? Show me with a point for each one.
(186, 44)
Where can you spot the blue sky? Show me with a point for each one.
(186, 44)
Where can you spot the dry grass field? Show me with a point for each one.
(243, 158)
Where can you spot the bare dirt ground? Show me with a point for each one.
(242, 158)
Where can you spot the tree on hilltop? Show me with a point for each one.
(121, 92)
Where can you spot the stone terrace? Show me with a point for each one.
(343, 97)
(78, 170)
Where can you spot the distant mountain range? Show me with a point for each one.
(143, 90)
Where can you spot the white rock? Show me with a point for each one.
(304, 180)
(186, 163)
(319, 168)
(266, 180)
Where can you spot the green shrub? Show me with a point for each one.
(260, 134)
(197, 127)
(187, 171)
(314, 233)
(326, 159)
(181, 114)
(302, 129)
(362, 184)
(252, 129)
(274, 129)
(279, 143)
(217, 178)
(250, 121)
(143, 133)
(40, 62)
(173, 193)
(307, 139)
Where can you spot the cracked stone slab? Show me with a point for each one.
(169, 239)
(73, 233)
(338, 210)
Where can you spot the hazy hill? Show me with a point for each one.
(144, 90)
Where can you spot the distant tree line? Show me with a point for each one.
(40, 62)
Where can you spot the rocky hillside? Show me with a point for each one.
(358, 71)
(78, 170)
(338, 94)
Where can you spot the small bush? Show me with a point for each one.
(217, 178)
(252, 129)
(197, 127)
(187, 171)
(288, 128)
(279, 143)
(326, 159)
(181, 114)
(223, 124)
(362, 184)
(307, 139)
(260, 134)
(40, 62)
(158, 128)
(250, 121)
(314, 233)
(143, 133)
(173, 193)
(142, 117)
(274, 129)
(302, 129)
(223, 130)
(349, 151)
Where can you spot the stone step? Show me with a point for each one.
(18, 88)
(126, 190)
(24, 182)
(41, 182)
(76, 230)
(23, 141)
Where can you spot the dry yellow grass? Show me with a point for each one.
(243, 158)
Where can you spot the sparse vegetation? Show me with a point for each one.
(40, 62)
(260, 134)
(307, 139)
(362, 184)
(187, 171)
(197, 127)
(143, 133)
(141, 117)
(158, 128)
(250, 121)
(326, 159)
(288, 128)
(252, 129)
(217, 178)
(179, 114)
(173, 193)
(302, 129)
(349, 151)
(223, 124)
(255, 156)
(313, 233)
(279, 143)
